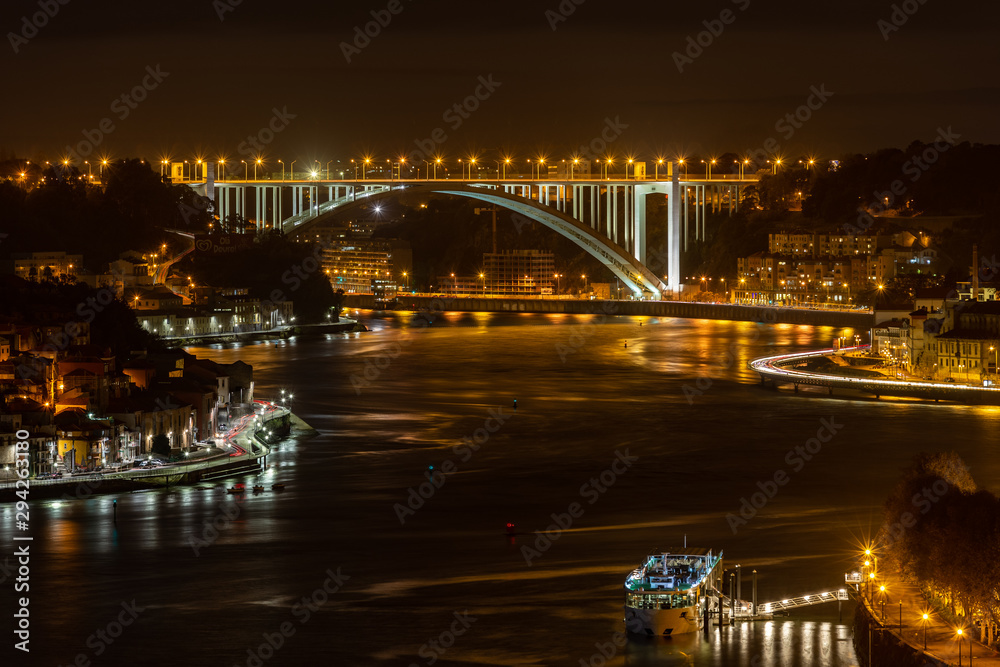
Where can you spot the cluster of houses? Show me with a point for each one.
(805, 268)
(83, 407)
(946, 334)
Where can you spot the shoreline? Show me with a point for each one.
(780, 371)
(345, 324)
(209, 469)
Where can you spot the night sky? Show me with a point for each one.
(553, 90)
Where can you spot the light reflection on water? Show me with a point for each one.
(699, 454)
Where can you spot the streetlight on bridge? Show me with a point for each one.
(257, 162)
(246, 168)
(328, 169)
(656, 169)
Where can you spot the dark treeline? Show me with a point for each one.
(112, 322)
(273, 270)
(55, 208)
(945, 533)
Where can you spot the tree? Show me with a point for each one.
(161, 444)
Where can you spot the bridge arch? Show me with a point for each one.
(629, 270)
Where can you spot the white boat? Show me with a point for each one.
(669, 593)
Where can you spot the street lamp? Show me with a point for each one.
(328, 169)
(246, 176)
(960, 649)
(656, 169)
(482, 276)
(282, 170)
(626, 168)
(925, 619)
(437, 161)
(257, 162)
(364, 171)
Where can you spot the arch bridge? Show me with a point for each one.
(606, 217)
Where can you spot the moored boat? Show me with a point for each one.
(670, 593)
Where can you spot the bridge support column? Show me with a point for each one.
(614, 213)
(673, 231)
(687, 208)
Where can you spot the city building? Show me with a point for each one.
(41, 266)
(515, 272)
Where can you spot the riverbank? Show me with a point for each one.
(344, 324)
(890, 629)
(794, 370)
(853, 319)
(244, 452)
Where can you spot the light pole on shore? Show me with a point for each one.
(925, 619)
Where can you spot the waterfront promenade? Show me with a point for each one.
(788, 369)
(906, 623)
(240, 450)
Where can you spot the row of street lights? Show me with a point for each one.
(871, 562)
(535, 166)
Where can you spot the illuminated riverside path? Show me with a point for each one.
(781, 370)
(908, 623)
(606, 217)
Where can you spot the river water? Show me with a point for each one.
(671, 400)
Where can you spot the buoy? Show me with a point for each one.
(626, 343)
(510, 528)
(515, 404)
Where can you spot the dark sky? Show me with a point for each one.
(557, 88)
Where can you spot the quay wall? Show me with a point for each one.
(706, 311)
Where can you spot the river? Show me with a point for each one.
(439, 581)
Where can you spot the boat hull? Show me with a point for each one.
(662, 622)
